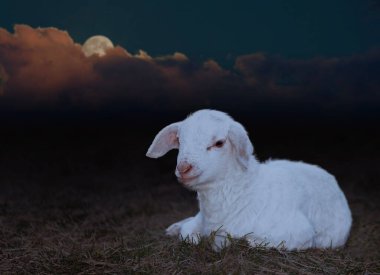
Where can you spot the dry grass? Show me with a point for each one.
(61, 213)
(119, 228)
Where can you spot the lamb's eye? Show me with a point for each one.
(219, 143)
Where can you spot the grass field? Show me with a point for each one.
(89, 203)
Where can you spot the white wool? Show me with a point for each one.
(279, 202)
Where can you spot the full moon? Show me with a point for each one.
(97, 44)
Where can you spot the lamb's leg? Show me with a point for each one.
(188, 229)
(175, 228)
(296, 233)
(221, 240)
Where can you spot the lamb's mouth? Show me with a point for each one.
(187, 180)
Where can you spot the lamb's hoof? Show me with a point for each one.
(173, 230)
(220, 242)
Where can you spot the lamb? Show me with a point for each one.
(282, 203)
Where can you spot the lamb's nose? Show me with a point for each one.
(184, 168)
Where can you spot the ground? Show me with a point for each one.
(87, 201)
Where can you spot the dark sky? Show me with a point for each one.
(219, 29)
(316, 58)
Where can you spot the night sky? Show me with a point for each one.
(212, 29)
(318, 58)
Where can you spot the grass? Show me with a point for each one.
(98, 212)
(120, 229)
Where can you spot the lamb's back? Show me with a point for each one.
(298, 183)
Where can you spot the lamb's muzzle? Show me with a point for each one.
(184, 168)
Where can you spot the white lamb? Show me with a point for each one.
(282, 203)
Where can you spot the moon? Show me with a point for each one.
(98, 45)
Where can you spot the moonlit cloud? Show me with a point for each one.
(42, 62)
(45, 67)
(45, 64)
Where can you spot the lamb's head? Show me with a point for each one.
(210, 143)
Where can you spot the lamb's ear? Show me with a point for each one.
(241, 144)
(164, 141)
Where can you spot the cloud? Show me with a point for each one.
(324, 82)
(39, 61)
(45, 68)
(46, 65)
(3, 79)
